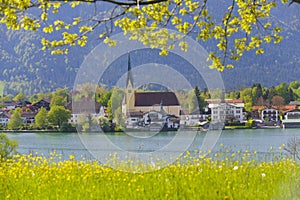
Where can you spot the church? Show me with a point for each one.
(139, 103)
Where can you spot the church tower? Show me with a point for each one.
(128, 102)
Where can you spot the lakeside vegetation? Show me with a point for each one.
(237, 176)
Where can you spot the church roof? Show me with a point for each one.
(156, 98)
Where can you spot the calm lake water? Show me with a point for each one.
(82, 145)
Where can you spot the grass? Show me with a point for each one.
(232, 177)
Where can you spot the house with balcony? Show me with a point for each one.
(226, 110)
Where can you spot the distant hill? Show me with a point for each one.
(24, 67)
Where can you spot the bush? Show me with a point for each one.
(67, 127)
(250, 123)
(7, 147)
(105, 124)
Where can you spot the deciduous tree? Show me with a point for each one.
(15, 121)
(244, 26)
(41, 118)
(58, 114)
(58, 101)
(277, 100)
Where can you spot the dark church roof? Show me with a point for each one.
(155, 98)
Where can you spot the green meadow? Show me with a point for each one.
(234, 176)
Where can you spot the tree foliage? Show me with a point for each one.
(58, 115)
(41, 118)
(7, 147)
(244, 26)
(58, 101)
(15, 121)
(114, 103)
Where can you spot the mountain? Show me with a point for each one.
(25, 67)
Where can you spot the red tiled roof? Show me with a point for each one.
(285, 107)
(292, 110)
(257, 107)
(280, 108)
(154, 98)
(211, 101)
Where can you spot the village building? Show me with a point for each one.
(45, 103)
(4, 118)
(83, 109)
(11, 105)
(226, 110)
(291, 119)
(193, 118)
(28, 117)
(270, 113)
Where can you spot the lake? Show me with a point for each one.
(93, 145)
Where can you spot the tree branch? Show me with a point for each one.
(121, 3)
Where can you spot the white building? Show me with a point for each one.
(228, 110)
(291, 119)
(269, 114)
(79, 118)
(4, 118)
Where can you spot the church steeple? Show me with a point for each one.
(129, 91)
(129, 82)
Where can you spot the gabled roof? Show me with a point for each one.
(155, 98)
(285, 107)
(217, 101)
(297, 103)
(11, 103)
(28, 114)
(292, 110)
(5, 115)
(42, 101)
(257, 108)
(280, 108)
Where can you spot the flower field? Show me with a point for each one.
(232, 177)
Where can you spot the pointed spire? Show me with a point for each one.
(129, 75)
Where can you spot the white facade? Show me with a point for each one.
(77, 118)
(224, 111)
(292, 115)
(269, 114)
(4, 121)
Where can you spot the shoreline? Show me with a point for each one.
(32, 131)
